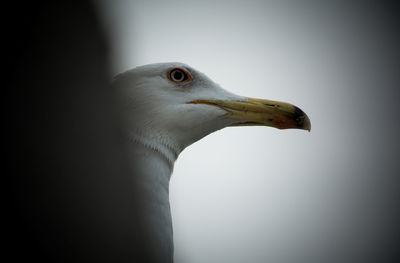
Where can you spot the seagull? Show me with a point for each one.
(165, 107)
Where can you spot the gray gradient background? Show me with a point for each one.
(257, 194)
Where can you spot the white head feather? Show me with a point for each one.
(157, 110)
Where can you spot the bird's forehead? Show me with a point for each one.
(156, 75)
(159, 68)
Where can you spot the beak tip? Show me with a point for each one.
(307, 123)
(302, 120)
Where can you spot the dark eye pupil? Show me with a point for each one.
(178, 75)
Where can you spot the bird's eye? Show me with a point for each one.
(178, 75)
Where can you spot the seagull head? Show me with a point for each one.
(174, 105)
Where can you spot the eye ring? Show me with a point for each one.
(179, 75)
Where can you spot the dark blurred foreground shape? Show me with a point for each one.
(70, 192)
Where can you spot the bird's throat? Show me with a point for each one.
(155, 143)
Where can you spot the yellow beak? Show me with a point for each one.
(258, 112)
